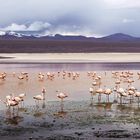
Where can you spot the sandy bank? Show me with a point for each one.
(70, 57)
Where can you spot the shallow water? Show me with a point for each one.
(81, 114)
(99, 66)
(77, 89)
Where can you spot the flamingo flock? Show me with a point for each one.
(129, 93)
(12, 101)
(122, 94)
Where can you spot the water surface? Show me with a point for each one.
(83, 117)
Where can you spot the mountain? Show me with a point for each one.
(15, 42)
(14, 35)
(67, 37)
(118, 37)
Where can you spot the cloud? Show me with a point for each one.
(38, 26)
(14, 27)
(45, 28)
(68, 30)
(35, 26)
(85, 17)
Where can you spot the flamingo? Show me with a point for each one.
(118, 82)
(137, 94)
(108, 91)
(3, 76)
(8, 97)
(130, 73)
(20, 77)
(10, 102)
(41, 77)
(138, 73)
(94, 83)
(21, 96)
(43, 90)
(100, 91)
(131, 93)
(91, 90)
(121, 93)
(24, 73)
(88, 73)
(62, 96)
(130, 82)
(58, 73)
(73, 75)
(40, 97)
(64, 74)
(11, 97)
(14, 74)
(133, 89)
(18, 99)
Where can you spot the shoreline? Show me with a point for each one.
(70, 58)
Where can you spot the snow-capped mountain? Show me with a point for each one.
(11, 33)
(39, 35)
(14, 35)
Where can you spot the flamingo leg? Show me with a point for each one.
(98, 98)
(38, 103)
(106, 98)
(62, 105)
(121, 100)
(91, 98)
(13, 111)
(130, 99)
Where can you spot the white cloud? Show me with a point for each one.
(35, 26)
(45, 28)
(71, 30)
(14, 27)
(38, 26)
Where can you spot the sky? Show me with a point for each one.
(71, 17)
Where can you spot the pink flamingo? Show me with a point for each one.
(62, 96)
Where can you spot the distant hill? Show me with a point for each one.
(119, 37)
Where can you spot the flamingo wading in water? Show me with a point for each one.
(41, 96)
(62, 96)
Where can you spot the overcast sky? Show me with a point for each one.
(85, 17)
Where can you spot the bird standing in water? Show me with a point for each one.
(62, 96)
(41, 96)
